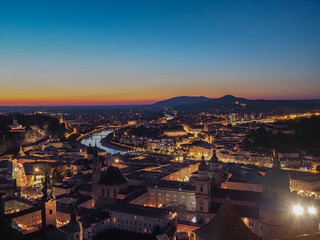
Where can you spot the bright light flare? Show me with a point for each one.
(297, 210)
(312, 210)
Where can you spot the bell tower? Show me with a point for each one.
(49, 208)
(214, 169)
(96, 174)
(96, 167)
(203, 192)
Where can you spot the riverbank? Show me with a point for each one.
(105, 142)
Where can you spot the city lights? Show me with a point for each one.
(312, 210)
(297, 210)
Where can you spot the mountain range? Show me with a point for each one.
(229, 102)
(226, 103)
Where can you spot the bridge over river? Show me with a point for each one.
(94, 139)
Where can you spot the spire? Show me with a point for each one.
(214, 163)
(47, 187)
(214, 158)
(96, 154)
(275, 159)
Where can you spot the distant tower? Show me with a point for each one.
(49, 208)
(203, 191)
(96, 174)
(96, 167)
(275, 160)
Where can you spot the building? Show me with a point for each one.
(271, 214)
(306, 185)
(73, 230)
(171, 193)
(107, 183)
(140, 219)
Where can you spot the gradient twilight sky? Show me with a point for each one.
(119, 52)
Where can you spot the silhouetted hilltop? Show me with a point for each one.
(179, 101)
(232, 103)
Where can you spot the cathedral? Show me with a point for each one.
(268, 214)
(108, 183)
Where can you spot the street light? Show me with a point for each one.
(297, 210)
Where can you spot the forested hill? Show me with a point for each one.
(37, 127)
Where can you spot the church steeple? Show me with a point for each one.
(275, 159)
(214, 158)
(49, 203)
(96, 173)
(47, 188)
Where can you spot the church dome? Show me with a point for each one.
(214, 158)
(74, 226)
(276, 182)
(203, 166)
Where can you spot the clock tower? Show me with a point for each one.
(49, 203)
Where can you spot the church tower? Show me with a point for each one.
(275, 160)
(214, 169)
(96, 167)
(203, 192)
(96, 174)
(49, 208)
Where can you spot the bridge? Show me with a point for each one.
(97, 131)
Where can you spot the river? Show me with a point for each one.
(95, 140)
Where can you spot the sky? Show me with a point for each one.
(137, 52)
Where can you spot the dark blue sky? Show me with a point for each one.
(140, 51)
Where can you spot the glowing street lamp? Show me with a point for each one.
(312, 210)
(297, 210)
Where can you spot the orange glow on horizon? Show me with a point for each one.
(62, 102)
(131, 94)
